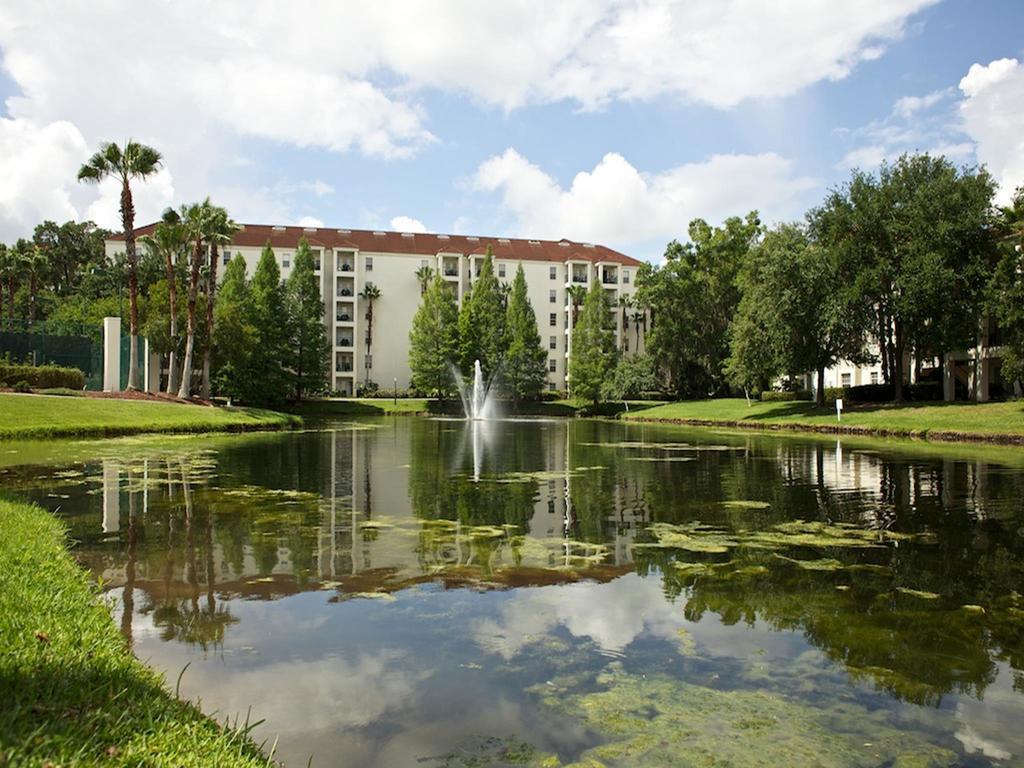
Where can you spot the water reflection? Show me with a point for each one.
(405, 586)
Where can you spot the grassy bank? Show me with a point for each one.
(30, 416)
(379, 406)
(72, 692)
(996, 422)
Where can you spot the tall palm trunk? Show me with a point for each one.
(32, 289)
(128, 221)
(369, 336)
(211, 295)
(172, 298)
(185, 390)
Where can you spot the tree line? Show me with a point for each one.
(899, 265)
(259, 340)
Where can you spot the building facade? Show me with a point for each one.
(348, 260)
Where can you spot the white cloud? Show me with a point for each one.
(408, 224)
(992, 112)
(38, 164)
(319, 187)
(863, 157)
(908, 105)
(616, 204)
(310, 221)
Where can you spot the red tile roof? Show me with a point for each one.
(514, 249)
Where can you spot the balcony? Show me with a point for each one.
(579, 277)
(344, 342)
(451, 272)
(609, 278)
(344, 317)
(345, 267)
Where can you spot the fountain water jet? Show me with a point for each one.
(476, 397)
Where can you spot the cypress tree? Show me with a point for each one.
(482, 323)
(234, 335)
(525, 362)
(434, 339)
(266, 379)
(593, 347)
(308, 353)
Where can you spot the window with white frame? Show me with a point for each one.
(874, 377)
(553, 273)
(368, 263)
(625, 277)
(286, 261)
(553, 319)
(552, 342)
(501, 270)
(845, 379)
(553, 365)
(553, 296)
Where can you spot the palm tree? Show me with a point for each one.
(576, 295)
(9, 271)
(370, 294)
(170, 241)
(220, 229)
(1011, 220)
(195, 218)
(626, 302)
(134, 161)
(424, 275)
(36, 266)
(639, 318)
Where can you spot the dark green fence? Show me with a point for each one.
(34, 345)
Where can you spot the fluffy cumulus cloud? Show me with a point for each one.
(408, 224)
(617, 204)
(201, 81)
(992, 112)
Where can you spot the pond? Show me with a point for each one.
(437, 593)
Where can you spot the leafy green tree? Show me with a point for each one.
(434, 339)
(170, 243)
(308, 353)
(692, 299)
(234, 335)
(266, 380)
(526, 359)
(424, 276)
(482, 323)
(592, 355)
(796, 314)
(134, 161)
(1006, 288)
(8, 280)
(632, 377)
(916, 241)
(71, 249)
(219, 231)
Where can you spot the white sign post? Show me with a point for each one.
(839, 409)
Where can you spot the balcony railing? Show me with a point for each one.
(579, 278)
(451, 271)
(344, 369)
(344, 291)
(609, 280)
(345, 268)
(344, 317)
(344, 342)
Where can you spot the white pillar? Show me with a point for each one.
(111, 354)
(154, 363)
(111, 496)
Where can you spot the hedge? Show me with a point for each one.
(41, 376)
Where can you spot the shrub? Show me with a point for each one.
(41, 376)
(884, 393)
(22, 386)
(785, 396)
(369, 389)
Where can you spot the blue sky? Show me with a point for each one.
(615, 122)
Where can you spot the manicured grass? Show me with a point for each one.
(29, 416)
(72, 692)
(942, 421)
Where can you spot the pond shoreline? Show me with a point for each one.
(932, 435)
(76, 690)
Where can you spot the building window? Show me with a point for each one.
(874, 377)
(553, 296)
(227, 257)
(553, 365)
(286, 262)
(316, 261)
(553, 386)
(553, 319)
(625, 277)
(553, 342)
(845, 378)
(369, 263)
(501, 270)
(553, 273)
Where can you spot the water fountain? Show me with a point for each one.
(476, 398)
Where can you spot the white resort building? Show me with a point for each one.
(350, 259)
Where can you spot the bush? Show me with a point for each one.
(41, 376)
(785, 396)
(22, 386)
(885, 393)
(369, 389)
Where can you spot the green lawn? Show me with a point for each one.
(30, 416)
(72, 692)
(948, 421)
